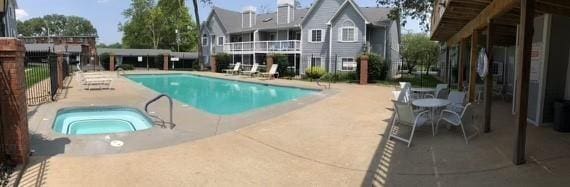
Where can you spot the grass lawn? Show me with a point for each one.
(36, 74)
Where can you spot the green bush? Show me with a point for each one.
(126, 67)
(340, 77)
(223, 61)
(377, 67)
(315, 72)
(104, 59)
(283, 62)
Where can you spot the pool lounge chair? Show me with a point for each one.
(272, 72)
(234, 70)
(102, 83)
(251, 72)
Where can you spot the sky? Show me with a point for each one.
(105, 15)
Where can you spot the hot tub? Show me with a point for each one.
(100, 120)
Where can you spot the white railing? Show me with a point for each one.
(279, 46)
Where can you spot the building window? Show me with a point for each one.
(315, 62)
(348, 32)
(205, 40)
(221, 41)
(316, 36)
(348, 64)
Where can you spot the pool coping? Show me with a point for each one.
(158, 137)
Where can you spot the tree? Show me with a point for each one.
(418, 49)
(415, 9)
(56, 25)
(165, 25)
(114, 46)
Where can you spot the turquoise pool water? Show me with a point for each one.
(100, 120)
(218, 96)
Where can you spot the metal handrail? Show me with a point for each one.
(157, 98)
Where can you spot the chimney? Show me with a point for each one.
(285, 11)
(248, 17)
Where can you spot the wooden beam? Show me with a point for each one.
(473, 65)
(523, 73)
(496, 8)
(489, 77)
(447, 65)
(462, 62)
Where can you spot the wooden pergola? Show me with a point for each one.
(454, 22)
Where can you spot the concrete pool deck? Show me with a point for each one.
(337, 140)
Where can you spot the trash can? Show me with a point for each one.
(562, 116)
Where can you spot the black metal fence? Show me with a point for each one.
(41, 75)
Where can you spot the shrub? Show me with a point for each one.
(126, 67)
(104, 59)
(377, 67)
(315, 72)
(283, 62)
(340, 77)
(223, 61)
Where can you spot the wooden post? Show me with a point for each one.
(462, 62)
(489, 77)
(523, 73)
(112, 62)
(213, 64)
(447, 65)
(473, 65)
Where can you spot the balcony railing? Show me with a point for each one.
(279, 46)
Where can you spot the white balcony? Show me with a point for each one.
(279, 46)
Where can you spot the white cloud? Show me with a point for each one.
(21, 14)
(102, 1)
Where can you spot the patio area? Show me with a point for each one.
(337, 140)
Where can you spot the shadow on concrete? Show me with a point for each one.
(35, 172)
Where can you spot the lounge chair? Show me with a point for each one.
(234, 70)
(251, 72)
(103, 83)
(272, 72)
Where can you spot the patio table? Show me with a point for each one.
(432, 105)
(423, 91)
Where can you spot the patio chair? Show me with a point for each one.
(441, 94)
(405, 115)
(457, 101)
(234, 70)
(461, 119)
(406, 88)
(252, 71)
(272, 72)
(438, 89)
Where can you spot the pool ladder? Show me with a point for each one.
(156, 99)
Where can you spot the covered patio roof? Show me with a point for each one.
(455, 20)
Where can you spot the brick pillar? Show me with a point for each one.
(13, 117)
(60, 70)
(269, 62)
(363, 69)
(213, 64)
(111, 62)
(165, 62)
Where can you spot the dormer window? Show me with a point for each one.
(348, 32)
(205, 40)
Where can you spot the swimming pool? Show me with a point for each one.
(100, 120)
(219, 96)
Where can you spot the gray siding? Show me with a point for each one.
(393, 50)
(321, 13)
(216, 30)
(376, 36)
(342, 49)
(283, 12)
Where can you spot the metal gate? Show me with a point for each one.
(41, 77)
